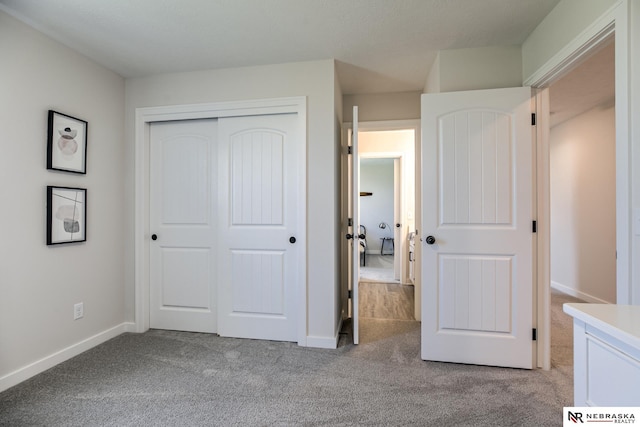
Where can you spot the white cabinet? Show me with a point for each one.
(606, 345)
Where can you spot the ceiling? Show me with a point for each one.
(380, 45)
(591, 84)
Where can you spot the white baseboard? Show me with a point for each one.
(26, 372)
(578, 294)
(326, 342)
(321, 342)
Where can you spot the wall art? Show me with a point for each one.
(66, 215)
(67, 143)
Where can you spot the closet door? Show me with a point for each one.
(260, 243)
(183, 225)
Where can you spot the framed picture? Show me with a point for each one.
(66, 215)
(67, 143)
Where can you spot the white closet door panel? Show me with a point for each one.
(186, 275)
(183, 209)
(259, 178)
(185, 164)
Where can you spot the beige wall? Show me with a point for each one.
(583, 213)
(316, 81)
(39, 284)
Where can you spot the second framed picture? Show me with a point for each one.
(66, 215)
(67, 143)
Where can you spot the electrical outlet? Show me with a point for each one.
(78, 311)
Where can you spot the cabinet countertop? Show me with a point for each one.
(619, 321)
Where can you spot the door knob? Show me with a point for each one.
(154, 237)
(430, 240)
(292, 239)
(348, 236)
(398, 225)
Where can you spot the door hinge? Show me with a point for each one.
(534, 227)
(349, 294)
(349, 150)
(533, 119)
(534, 334)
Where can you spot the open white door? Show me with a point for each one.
(477, 209)
(355, 231)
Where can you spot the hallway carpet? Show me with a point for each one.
(164, 378)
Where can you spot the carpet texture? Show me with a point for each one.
(164, 378)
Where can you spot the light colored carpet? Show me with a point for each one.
(163, 378)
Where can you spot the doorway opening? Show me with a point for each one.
(387, 214)
(582, 178)
(612, 26)
(380, 191)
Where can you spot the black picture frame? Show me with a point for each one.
(66, 215)
(67, 143)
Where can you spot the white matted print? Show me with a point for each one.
(67, 143)
(66, 215)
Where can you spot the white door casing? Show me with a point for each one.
(183, 163)
(355, 231)
(259, 253)
(477, 203)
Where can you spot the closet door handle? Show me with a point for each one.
(292, 239)
(154, 237)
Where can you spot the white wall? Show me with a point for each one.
(489, 67)
(574, 20)
(341, 300)
(383, 106)
(432, 85)
(566, 21)
(376, 176)
(39, 284)
(317, 81)
(583, 214)
(634, 137)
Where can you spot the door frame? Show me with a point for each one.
(143, 119)
(614, 23)
(345, 273)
